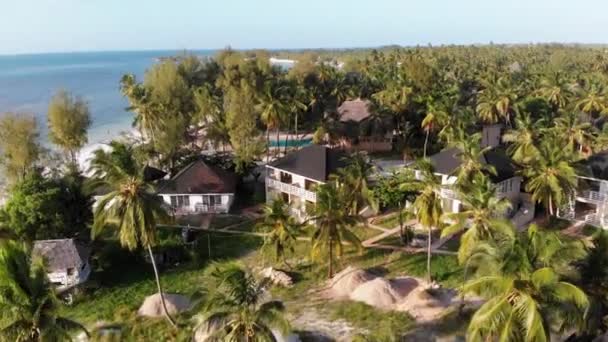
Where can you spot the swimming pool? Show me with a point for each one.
(291, 142)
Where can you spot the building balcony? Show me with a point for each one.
(291, 189)
(592, 196)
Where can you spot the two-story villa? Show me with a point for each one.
(295, 176)
(508, 184)
(589, 204)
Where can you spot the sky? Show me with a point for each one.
(35, 26)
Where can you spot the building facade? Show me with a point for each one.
(294, 177)
(199, 188)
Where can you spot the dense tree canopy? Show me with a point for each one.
(69, 119)
(48, 208)
(19, 147)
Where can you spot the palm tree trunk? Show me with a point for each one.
(160, 291)
(428, 258)
(426, 140)
(278, 148)
(296, 127)
(267, 145)
(331, 259)
(550, 205)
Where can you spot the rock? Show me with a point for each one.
(277, 277)
(153, 307)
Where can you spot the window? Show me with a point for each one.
(180, 201)
(309, 185)
(70, 271)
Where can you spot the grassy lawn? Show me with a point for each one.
(123, 279)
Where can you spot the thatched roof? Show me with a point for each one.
(354, 110)
(59, 255)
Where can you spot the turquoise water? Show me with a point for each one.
(27, 82)
(291, 142)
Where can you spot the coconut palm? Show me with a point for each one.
(131, 207)
(576, 131)
(523, 138)
(29, 309)
(427, 208)
(556, 90)
(332, 217)
(594, 280)
(593, 98)
(354, 177)
(430, 122)
(233, 309)
(471, 155)
(526, 296)
(551, 177)
(272, 110)
(482, 216)
(497, 101)
(280, 228)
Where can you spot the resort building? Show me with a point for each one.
(199, 188)
(295, 176)
(589, 205)
(359, 132)
(66, 261)
(508, 184)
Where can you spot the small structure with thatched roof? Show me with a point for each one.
(66, 261)
(362, 128)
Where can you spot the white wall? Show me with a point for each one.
(227, 200)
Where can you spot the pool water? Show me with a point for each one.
(291, 142)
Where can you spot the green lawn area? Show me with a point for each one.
(123, 279)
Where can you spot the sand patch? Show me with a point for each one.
(346, 281)
(152, 305)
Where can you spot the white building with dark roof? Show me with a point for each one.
(199, 188)
(589, 204)
(66, 261)
(295, 176)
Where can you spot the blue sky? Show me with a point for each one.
(30, 26)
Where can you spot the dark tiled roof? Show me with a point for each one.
(354, 110)
(595, 166)
(61, 254)
(314, 161)
(200, 178)
(447, 161)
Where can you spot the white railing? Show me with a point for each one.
(210, 208)
(593, 195)
(448, 193)
(592, 219)
(291, 189)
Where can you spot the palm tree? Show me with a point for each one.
(29, 309)
(497, 101)
(471, 155)
(233, 310)
(576, 131)
(522, 282)
(481, 216)
(332, 217)
(523, 138)
(354, 178)
(280, 228)
(556, 91)
(593, 98)
(551, 178)
(131, 206)
(433, 117)
(427, 207)
(594, 280)
(272, 111)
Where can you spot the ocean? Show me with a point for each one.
(27, 83)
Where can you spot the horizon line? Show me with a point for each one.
(327, 48)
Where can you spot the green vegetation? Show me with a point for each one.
(379, 325)
(19, 146)
(69, 119)
(28, 304)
